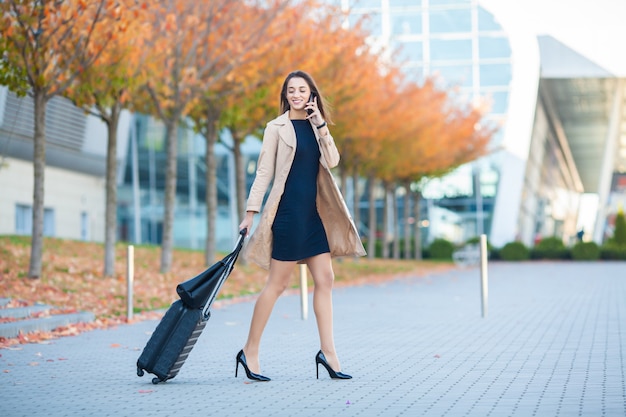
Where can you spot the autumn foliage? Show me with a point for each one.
(218, 64)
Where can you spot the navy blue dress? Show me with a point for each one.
(297, 229)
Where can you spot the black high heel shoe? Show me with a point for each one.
(321, 359)
(241, 359)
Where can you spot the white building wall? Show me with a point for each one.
(512, 158)
(68, 193)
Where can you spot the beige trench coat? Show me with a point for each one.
(274, 163)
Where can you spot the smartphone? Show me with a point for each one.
(309, 111)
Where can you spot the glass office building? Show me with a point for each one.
(548, 151)
(142, 186)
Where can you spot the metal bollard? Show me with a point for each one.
(130, 277)
(304, 293)
(484, 290)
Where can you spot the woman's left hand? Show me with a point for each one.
(316, 116)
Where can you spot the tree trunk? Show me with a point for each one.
(371, 238)
(240, 176)
(385, 231)
(39, 167)
(408, 226)
(418, 230)
(110, 227)
(396, 226)
(211, 187)
(343, 176)
(171, 140)
(357, 197)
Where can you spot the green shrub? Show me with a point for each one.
(441, 249)
(550, 248)
(586, 251)
(611, 251)
(514, 251)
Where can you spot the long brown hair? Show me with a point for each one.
(321, 102)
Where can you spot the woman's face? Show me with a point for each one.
(298, 93)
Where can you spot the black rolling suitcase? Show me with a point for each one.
(179, 329)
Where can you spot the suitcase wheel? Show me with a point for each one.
(139, 371)
(156, 380)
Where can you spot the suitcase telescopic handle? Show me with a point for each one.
(242, 235)
(229, 263)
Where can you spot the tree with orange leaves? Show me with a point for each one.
(197, 46)
(442, 136)
(318, 46)
(44, 46)
(104, 90)
(212, 111)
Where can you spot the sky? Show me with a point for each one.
(594, 28)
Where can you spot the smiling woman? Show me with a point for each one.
(305, 219)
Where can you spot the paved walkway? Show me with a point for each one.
(553, 344)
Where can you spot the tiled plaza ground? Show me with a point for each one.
(553, 344)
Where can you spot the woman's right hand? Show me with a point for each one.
(247, 221)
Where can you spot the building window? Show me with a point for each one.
(495, 74)
(409, 51)
(493, 47)
(442, 50)
(365, 3)
(453, 75)
(401, 3)
(84, 225)
(486, 22)
(447, 21)
(49, 228)
(414, 74)
(371, 23)
(23, 219)
(406, 23)
(442, 2)
(499, 101)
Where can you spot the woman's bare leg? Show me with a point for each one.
(279, 275)
(323, 277)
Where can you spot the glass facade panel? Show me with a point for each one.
(440, 2)
(364, 3)
(441, 50)
(495, 74)
(400, 3)
(457, 75)
(499, 101)
(371, 22)
(493, 47)
(486, 21)
(409, 51)
(414, 74)
(450, 21)
(407, 23)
